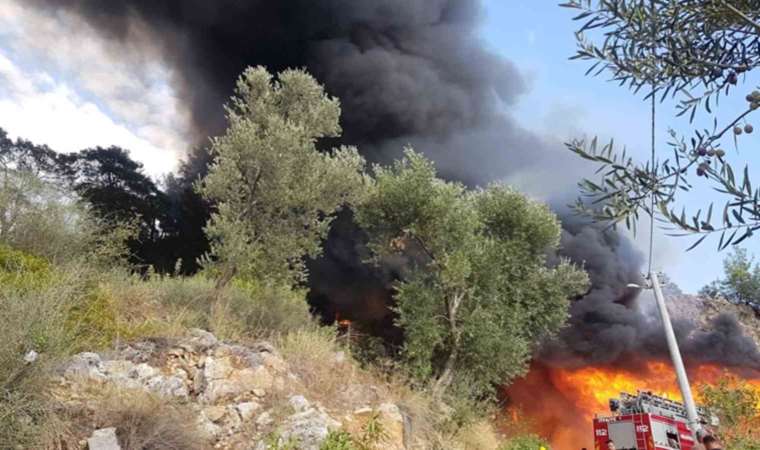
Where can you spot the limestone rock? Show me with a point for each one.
(215, 413)
(85, 365)
(308, 428)
(142, 372)
(264, 419)
(202, 339)
(247, 409)
(103, 439)
(236, 394)
(31, 356)
(299, 403)
(168, 386)
(259, 392)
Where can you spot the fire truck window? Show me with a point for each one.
(623, 434)
(673, 440)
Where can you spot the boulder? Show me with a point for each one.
(142, 372)
(215, 413)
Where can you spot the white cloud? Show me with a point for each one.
(55, 115)
(63, 85)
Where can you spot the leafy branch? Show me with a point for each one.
(692, 48)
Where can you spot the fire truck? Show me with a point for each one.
(648, 422)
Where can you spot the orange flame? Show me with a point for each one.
(342, 322)
(560, 404)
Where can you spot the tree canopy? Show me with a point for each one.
(476, 293)
(742, 280)
(273, 192)
(48, 186)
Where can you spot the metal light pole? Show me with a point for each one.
(675, 355)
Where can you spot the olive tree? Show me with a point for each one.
(695, 51)
(476, 292)
(272, 191)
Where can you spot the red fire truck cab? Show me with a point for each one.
(647, 422)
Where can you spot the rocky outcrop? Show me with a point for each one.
(243, 397)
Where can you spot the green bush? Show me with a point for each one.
(38, 319)
(735, 402)
(93, 321)
(527, 442)
(271, 309)
(338, 440)
(19, 269)
(371, 437)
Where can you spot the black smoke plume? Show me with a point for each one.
(407, 72)
(403, 69)
(610, 326)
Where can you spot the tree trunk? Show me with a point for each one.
(225, 278)
(447, 375)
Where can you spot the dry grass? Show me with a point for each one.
(345, 386)
(313, 356)
(143, 421)
(478, 436)
(121, 307)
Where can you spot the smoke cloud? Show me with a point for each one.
(407, 72)
(402, 69)
(610, 326)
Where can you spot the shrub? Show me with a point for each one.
(312, 354)
(372, 436)
(38, 324)
(238, 311)
(338, 440)
(736, 403)
(19, 269)
(120, 306)
(43, 217)
(271, 309)
(526, 442)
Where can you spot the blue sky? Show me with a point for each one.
(112, 103)
(565, 103)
